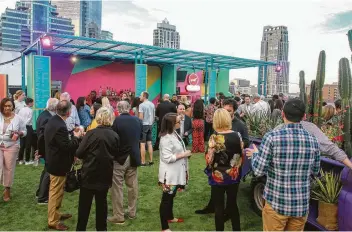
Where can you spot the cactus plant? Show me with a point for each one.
(345, 93)
(302, 86)
(311, 101)
(319, 84)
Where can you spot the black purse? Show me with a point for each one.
(73, 179)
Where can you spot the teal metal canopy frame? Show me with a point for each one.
(83, 47)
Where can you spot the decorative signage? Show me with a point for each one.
(3, 86)
(41, 81)
(193, 83)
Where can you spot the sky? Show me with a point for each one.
(234, 27)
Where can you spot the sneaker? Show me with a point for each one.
(131, 218)
(114, 221)
(29, 163)
(42, 202)
(143, 165)
(151, 163)
(21, 162)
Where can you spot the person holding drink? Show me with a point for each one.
(11, 129)
(173, 167)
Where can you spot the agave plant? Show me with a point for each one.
(259, 124)
(327, 187)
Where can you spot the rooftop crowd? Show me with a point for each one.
(111, 143)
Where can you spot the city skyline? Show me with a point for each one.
(205, 27)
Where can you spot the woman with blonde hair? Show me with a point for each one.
(19, 98)
(57, 95)
(224, 161)
(97, 151)
(328, 112)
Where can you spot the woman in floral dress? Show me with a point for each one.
(198, 127)
(224, 160)
(173, 167)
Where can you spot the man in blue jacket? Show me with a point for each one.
(129, 129)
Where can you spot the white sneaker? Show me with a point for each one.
(29, 163)
(21, 162)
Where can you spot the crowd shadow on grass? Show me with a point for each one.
(23, 214)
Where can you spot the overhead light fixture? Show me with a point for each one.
(47, 42)
(74, 59)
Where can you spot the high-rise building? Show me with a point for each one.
(166, 35)
(274, 48)
(86, 15)
(70, 9)
(107, 35)
(21, 26)
(330, 92)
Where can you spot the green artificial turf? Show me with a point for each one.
(23, 214)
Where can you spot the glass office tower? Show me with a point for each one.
(21, 26)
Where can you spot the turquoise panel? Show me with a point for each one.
(84, 65)
(141, 78)
(212, 84)
(168, 80)
(223, 82)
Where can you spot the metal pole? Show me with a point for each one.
(265, 79)
(259, 80)
(23, 67)
(206, 82)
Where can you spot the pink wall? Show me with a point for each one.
(182, 85)
(115, 75)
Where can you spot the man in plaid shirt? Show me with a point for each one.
(287, 157)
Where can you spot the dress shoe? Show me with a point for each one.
(206, 210)
(59, 227)
(7, 195)
(113, 220)
(65, 216)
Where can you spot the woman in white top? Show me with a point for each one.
(19, 100)
(12, 128)
(173, 168)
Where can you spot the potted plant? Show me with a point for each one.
(326, 190)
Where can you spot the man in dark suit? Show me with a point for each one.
(43, 188)
(186, 124)
(129, 129)
(59, 151)
(166, 106)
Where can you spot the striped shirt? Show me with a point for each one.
(288, 157)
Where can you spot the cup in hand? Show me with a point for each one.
(14, 135)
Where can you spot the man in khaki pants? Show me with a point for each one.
(287, 157)
(129, 129)
(59, 150)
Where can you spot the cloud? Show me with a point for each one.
(130, 9)
(338, 22)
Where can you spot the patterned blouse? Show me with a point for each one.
(209, 113)
(84, 116)
(224, 159)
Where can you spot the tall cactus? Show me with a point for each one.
(345, 80)
(311, 101)
(302, 86)
(319, 84)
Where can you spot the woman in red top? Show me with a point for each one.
(198, 127)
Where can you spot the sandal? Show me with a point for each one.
(176, 220)
(6, 195)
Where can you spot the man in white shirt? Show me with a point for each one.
(147, 115)
(73, 121)
(26, 113)
(260, 107)
(245, 108)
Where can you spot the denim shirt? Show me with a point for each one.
(84, 116)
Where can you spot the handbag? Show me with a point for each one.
(73, 179)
